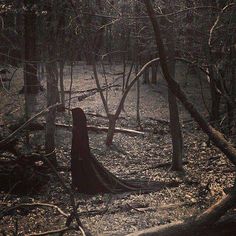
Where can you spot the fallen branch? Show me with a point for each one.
(5, 141)
(103, 129)
(74, 214)
(117, 130)
(160, 165)
(57, 231)
(11, 209)
(102, 116)
(95, 89)
(196, 225)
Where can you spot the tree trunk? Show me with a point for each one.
(51, 115)
(231, 107)
(138, 99)
(146, 74)
(61, 65)
(154, 73)
(215, 100)
(71, 82)
(111, 129)
(52, 89)
(175, 127)
(124, 71)
(204, 224)
(31, 83)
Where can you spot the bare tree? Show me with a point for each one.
(211, 215)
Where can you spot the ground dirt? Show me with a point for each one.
(206, 177)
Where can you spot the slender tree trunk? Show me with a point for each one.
(215, 101)
(129, 75)
(61, 68)
(52, 87)
(111, 129)
(231, 106)
(51, 115)
(124, 72)
(108, 43)
(136, 59)
(138, 99)
(71, 82)
(213, 77)
(146, 73)
(154, 73)
(31, 85)
(175, 127)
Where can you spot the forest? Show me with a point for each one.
(118, 117)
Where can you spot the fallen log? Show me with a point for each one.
(202, 223)
(199, 225)
(102, 116)
(103, 129)
(40, 126)
(117, 130)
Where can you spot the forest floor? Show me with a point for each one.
(207, 173)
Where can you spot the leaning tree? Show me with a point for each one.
(204, 222)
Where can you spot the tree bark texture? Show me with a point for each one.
(52, 91)
(175, 127)
(154, 73)
(31, 83)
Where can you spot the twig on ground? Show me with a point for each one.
(74, 214)
(8, 210)
(160, 165)
(57, 231)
